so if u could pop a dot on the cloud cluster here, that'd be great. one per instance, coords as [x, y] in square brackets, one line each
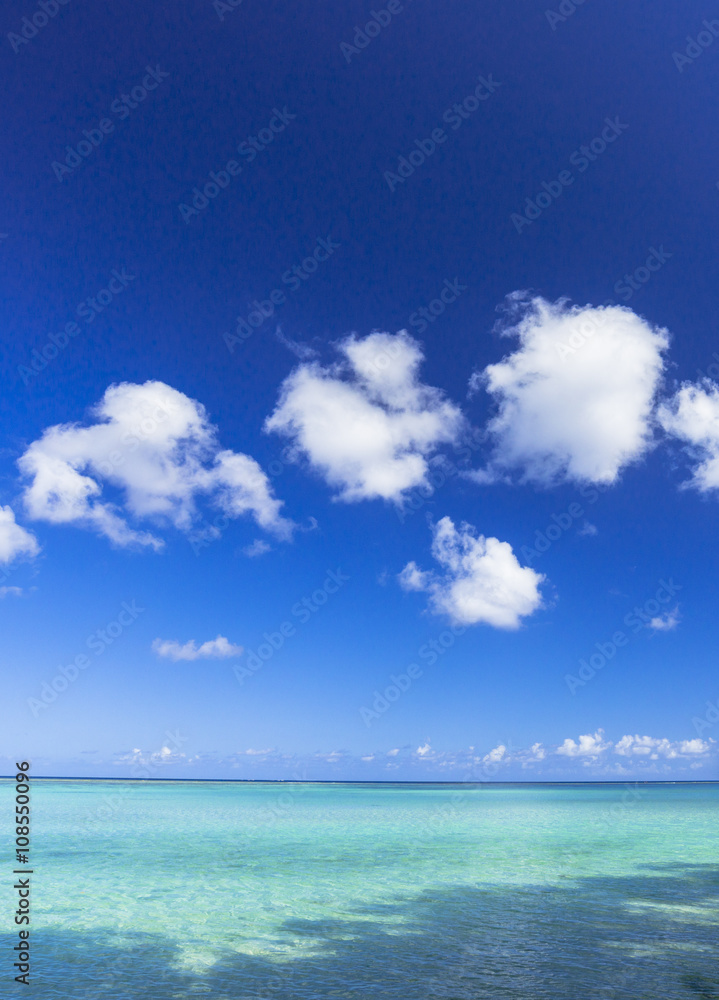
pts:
[155, 447]
[482, 580]
[593, 753]
[575, 399]
[653, 749]
[367, 425]
[14, 540]
[588, 750]
[589, 745]
[575, 402]
[214, 649]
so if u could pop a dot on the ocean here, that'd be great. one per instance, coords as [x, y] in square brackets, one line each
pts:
[239, 890]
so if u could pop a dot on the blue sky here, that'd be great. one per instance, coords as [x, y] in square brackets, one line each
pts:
[479, 548]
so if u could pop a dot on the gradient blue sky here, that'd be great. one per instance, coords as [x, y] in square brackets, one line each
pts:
[189, 277]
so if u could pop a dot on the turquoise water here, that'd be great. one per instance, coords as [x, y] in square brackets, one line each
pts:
[233, 891]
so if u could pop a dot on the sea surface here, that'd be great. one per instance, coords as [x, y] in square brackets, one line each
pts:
[174, 890]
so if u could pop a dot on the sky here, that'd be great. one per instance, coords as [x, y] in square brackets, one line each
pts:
[361, 390]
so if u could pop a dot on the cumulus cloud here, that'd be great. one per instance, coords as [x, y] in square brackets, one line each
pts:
[423, 750]
[692, 416]
[214, 649]
[157, 449]
[10, 592]
[666, 622]
[575, 399]
[496, 755]
[482, 581]
[653, 748]
[638, 746]
[694, 747]
[368, 425]
[589, 746]
[14, 540]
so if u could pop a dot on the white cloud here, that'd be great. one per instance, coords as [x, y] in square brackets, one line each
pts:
[694, 747]
[393, 753]
[146, 759]
[10, 592]
[588, 529]
[653, 748]
[575, 400]
[258, 548]
[496, 755]
[692, 415]
[483, 581]
[156, 447]
[423, 750]
[14, 539]
[368, 424]
[666, 622]
[214, 649]
[638, 746]
[300, 350]
[591, 746]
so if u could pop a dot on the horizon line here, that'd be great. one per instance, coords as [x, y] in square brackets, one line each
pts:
[350, 781]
